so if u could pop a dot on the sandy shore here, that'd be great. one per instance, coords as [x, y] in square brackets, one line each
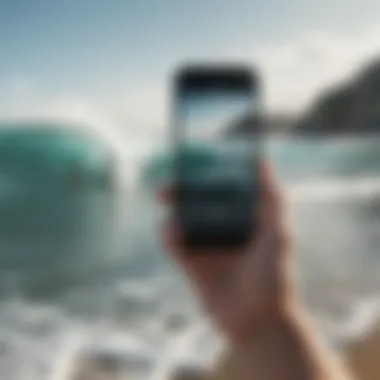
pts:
[362, 355]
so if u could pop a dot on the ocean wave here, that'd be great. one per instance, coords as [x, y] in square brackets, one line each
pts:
[335, 189]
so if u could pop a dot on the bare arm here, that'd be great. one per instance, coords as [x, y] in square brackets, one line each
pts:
[286, 349]
[251, 298]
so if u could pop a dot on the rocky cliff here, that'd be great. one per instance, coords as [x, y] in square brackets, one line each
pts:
[352, 108]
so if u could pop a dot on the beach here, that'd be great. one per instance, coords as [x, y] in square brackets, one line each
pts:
[106, 296]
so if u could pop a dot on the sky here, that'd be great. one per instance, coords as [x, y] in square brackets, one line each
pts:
[205, 117]
[112, 60]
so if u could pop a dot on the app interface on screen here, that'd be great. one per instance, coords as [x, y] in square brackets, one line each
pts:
[217, 156]
[213, 142]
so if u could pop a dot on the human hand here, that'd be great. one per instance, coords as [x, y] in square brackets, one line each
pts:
[243, 291]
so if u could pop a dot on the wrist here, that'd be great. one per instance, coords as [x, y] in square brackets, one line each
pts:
[266, 347]
[272, 323]
[287, 348]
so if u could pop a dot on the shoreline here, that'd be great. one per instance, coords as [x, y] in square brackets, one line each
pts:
[360, 353]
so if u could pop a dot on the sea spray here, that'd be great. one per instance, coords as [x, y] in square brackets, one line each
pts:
[131, 298]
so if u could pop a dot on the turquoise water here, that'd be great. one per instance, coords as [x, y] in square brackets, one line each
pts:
[50, 155]
[91, 271]
[294, 159]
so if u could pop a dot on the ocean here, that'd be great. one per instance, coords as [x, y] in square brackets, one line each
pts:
[100, 284]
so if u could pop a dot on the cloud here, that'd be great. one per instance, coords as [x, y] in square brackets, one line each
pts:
[293, 74]
[24, 103]
[142, 107]
[296, 72]
[135, 110]
[21, 98]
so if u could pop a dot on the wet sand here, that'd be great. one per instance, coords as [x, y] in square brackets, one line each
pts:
[362, 355]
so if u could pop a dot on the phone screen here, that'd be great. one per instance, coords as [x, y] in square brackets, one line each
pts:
[217, 151]
[208, 115]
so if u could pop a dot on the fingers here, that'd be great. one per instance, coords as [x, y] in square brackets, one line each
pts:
[271, 198]
[171, 236]
[198, 264]
[272, 208]
[166, 194]
[273, 218]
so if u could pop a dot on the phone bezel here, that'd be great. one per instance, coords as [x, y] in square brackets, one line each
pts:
[196, 71]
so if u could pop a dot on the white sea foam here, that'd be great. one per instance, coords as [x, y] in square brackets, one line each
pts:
[54, 354]
[43, 342]
[336, 189]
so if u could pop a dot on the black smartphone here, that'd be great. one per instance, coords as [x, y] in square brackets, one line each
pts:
[217, 149]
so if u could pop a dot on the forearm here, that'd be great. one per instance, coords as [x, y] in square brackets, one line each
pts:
[287, 349]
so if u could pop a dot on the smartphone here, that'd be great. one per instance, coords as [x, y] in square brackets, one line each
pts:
[217, 149]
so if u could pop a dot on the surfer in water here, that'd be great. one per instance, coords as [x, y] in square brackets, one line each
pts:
[251, 298]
